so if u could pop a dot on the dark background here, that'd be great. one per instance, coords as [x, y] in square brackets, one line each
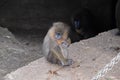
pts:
[39, 14]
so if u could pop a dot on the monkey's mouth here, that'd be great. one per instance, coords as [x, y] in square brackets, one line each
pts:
[65, 44]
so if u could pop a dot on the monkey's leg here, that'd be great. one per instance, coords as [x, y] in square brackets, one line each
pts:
[60, 57]
[55, 56]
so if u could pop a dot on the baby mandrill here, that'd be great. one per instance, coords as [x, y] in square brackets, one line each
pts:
[55, 44]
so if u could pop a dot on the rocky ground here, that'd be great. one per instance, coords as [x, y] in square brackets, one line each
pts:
[89, 57]
[17, 51]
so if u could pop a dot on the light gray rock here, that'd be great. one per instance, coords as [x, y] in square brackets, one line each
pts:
[12, 53]
[89, 57]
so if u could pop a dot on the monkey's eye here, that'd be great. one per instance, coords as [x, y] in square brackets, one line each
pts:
[77, 24]
[58, 35]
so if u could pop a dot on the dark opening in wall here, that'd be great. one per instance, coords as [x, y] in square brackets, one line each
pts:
[94, 17]
[87, 18]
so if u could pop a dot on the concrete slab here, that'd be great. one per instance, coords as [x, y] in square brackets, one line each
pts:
[89, 57]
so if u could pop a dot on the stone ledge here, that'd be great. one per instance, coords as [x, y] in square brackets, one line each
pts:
[89, 55]
[13, 54]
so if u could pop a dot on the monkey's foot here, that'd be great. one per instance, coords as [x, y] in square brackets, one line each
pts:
[68, 62]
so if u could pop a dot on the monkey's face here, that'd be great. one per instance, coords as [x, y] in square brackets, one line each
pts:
[76, 24]
[60, 33]
[61, 37]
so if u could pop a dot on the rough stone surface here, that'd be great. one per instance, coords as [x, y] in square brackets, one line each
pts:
[89, 57]
[13, 54]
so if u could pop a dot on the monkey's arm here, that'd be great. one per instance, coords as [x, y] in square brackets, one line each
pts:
[59, 56]
[46, 45]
